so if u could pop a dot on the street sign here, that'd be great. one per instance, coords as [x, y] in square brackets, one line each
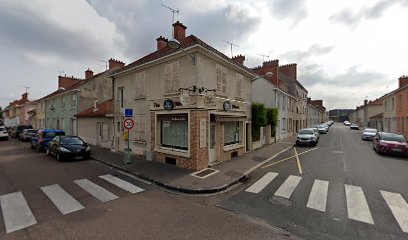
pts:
[128, 123]
[128, 112]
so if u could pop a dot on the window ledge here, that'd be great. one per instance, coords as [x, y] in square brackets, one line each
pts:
[173, 151]
[172, 94]
[140, 141]
[139, 97]
[221, 94]
[232, 147]
[239, 98]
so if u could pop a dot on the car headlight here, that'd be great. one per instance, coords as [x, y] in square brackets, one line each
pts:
[62, 149]
[88, 148]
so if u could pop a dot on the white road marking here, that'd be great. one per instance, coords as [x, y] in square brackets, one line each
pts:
[261, 183]
[122, 184]
[399, 208]
[318, 195]
[95, 190]
[61, 199]
[17, 214]
[357, 206]
[287, 188]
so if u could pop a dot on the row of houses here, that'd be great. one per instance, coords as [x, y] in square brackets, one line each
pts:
[388, 113]
[191, 103]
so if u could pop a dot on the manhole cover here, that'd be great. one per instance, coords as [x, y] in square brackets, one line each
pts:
[280, 200]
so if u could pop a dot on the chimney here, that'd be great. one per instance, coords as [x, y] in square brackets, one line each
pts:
[161, 42]
[88, 74]
[65, 82]
[403, 81]
[179, 31]
[365, 102]
[240, 59]
[115, 63]
[24, 97]
[290, 70]
[269, 66]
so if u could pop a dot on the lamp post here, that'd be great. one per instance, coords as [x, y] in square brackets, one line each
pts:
[175, 44]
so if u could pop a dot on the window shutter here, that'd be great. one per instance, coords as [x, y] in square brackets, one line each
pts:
[175, 78]
[239, 79]
[219, 77]
[143, 84]
[224, 80]
[137, 127]
[167, 76]
[137, 85]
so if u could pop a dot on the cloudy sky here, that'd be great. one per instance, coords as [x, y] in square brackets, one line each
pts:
[346, 50]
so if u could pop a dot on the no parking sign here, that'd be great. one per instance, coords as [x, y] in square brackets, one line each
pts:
[128, 123]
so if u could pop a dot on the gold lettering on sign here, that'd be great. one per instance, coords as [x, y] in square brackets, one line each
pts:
[203, 132]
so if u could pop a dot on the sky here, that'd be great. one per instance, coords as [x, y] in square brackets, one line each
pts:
[346, 51]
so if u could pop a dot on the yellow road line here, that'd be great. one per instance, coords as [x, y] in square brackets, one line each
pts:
[298, 161]
[288, 158]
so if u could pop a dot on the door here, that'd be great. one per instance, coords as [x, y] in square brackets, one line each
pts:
[98, 134]
[213, 143]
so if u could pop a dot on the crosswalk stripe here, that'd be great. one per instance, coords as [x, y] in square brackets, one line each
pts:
[399, 208]
[287, 188]
[357, 206]
[61, 199]
[121, 183]
[262, 183]
[95, 190]
[318, 195]
[16, 212]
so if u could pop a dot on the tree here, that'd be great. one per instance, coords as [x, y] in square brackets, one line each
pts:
[258, 120]
[272, 115]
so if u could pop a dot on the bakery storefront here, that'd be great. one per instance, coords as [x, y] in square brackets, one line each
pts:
[197, 135]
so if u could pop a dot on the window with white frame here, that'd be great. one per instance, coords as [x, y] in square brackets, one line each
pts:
[171, 77]
[173, 131]
[221, 78]
[140, 82]
[231, 133]
[73, 100]
[240, 79]
[62, 102]
[140, 128]
[104, 131]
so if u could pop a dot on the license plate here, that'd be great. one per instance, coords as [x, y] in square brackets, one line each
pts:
[397, 150]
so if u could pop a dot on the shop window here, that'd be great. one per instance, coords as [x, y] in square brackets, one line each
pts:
[174, 132]
[231, 133]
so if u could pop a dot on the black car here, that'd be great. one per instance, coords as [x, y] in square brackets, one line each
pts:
[15, 131]
[68, 147]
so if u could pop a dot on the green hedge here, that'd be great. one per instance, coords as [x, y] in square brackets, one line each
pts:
[258, 120]
[272, 115]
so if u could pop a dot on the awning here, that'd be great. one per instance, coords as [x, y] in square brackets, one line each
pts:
[223, 118]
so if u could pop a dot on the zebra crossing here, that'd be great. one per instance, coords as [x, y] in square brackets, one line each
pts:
[357, 206]
[17, 213]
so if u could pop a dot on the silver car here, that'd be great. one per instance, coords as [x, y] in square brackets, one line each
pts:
[306, 136]
[368, 134]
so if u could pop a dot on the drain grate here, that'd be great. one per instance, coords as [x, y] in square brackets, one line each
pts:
[205, 173]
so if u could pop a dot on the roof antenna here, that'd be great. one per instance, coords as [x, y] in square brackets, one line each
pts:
[106, 63]
[232, 44]
[60, 72]
[172, 20]
[26, 88]
[263, 56]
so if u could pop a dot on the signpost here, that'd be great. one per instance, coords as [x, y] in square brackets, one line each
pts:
[128, 124]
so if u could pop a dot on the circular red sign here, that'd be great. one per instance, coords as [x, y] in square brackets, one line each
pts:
[128, 123]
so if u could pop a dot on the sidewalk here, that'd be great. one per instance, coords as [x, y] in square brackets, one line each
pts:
[177, 179]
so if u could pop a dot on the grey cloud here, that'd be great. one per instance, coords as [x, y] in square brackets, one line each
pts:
[352, 19]
[304, 55]
[295, 10]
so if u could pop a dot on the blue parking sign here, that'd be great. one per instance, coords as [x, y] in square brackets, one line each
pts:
[128, 112]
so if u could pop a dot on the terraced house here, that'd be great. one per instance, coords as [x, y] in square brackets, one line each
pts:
[191, 105]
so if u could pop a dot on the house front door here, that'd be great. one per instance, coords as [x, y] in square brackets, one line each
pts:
[213, 143]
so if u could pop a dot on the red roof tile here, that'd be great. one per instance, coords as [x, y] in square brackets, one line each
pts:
[102, 109]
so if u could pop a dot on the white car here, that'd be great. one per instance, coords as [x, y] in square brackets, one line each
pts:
[347, 123]
[3, 133]
[322, 128]
[368, 134]
[306, 136]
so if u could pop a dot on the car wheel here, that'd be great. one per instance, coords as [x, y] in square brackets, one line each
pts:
[58, 157]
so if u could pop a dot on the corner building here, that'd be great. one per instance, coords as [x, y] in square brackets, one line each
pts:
[191, 107]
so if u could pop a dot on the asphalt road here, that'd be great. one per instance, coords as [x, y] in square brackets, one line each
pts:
[345, 204]
[94, 214]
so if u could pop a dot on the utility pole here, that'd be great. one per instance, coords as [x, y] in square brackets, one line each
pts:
[231, 44]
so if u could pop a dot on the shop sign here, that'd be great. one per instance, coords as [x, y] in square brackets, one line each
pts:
[168, 104]
[227, 106]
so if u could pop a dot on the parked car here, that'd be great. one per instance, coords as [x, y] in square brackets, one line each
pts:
[40, 140]
[3, 133]
[390, 143]
[368, 134]
[354, 126]
[15, 131]
[306, 136]
[65, 147]
[347, 123]
[27, 134]
[316, 131]
[322, 128]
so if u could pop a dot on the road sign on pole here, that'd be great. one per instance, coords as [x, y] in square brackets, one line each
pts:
[128, 112]
[128, 123]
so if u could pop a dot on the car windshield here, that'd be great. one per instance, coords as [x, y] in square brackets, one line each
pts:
[71, 141]
[393, 137]
[2, 129]
[321, 126]
[370, 130]
[306, 131]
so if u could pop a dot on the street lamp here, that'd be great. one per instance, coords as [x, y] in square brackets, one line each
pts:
[267, 75]
[175, 44]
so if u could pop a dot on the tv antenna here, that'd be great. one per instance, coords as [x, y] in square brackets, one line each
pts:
[231, 44]
[174, 11]
[26, 88]
[106, 63]
[61, 72]
[263, 56]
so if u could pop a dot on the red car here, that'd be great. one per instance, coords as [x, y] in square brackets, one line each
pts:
[390, 143]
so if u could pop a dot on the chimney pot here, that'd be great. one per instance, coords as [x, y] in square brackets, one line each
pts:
[115, 63]
[179, 31]
[403, 81]
[88, 74]
[161, 42]
[240, 59]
